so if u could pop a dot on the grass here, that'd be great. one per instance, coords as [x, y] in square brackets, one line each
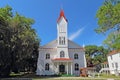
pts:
[17, 74]
[63, 77]
[71, 77]
[108, 76]
[67, 75]
[75, 78]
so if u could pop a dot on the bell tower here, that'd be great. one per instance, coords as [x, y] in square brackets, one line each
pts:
[62, 35]
[62, 30]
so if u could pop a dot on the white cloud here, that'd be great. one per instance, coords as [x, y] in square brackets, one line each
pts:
[76, 34]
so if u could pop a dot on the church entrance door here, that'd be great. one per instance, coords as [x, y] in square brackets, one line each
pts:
[62, 68]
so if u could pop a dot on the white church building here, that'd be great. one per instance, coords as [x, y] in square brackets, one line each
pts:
[114, 62]
[61, 56]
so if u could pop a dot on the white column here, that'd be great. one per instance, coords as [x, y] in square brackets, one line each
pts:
[71, 69]
[85, 63]
[67, 68]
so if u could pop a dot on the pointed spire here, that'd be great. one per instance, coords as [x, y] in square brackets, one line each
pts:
[61, 15]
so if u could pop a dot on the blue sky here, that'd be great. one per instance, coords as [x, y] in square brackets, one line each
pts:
[79, 13]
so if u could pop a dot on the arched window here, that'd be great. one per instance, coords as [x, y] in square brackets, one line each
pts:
[62, 54]
[59, 40]
[76, 66]
[47, 56]
[46, 66]
[75, 56]
[64, 40]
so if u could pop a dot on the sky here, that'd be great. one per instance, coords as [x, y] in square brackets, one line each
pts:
[79, 13]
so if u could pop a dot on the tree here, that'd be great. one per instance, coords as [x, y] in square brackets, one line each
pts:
[95, 55]
[18, 41]
[113, 41]
[90, 49]
[109, 22]
[5, 57]
[108, 16]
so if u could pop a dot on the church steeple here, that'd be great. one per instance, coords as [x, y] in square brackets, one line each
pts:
[61, 15]
[62, 37]
[62, 30]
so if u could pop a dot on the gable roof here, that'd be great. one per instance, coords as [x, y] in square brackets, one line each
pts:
[53, 44]
[113, 52]
[72, 44]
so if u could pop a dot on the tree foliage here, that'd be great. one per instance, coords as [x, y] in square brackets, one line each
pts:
[95, 55]
[113, 40]
[18, 41]
[108, 16]
[109, 22]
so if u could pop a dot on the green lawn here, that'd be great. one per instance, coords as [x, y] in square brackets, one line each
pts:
[74, 78]
[69, 77]
[64, 77]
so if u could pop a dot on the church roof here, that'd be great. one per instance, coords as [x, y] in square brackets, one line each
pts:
[114, 52]
[53, 44]
[72, 44]
[61, 15]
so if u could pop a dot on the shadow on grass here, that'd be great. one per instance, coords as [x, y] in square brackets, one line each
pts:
[26, 75]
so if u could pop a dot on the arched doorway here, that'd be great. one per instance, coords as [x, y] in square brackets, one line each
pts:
[61, 68]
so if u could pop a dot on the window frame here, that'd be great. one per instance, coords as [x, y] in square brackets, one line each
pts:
[48, 56]
[76, 66]
[116, 65]
[112, 65]
[111, 57]
[47, 66]
[60, 40]
[62, 54]
[76, 56]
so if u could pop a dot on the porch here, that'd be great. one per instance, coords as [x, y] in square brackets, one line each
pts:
[63, 65]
